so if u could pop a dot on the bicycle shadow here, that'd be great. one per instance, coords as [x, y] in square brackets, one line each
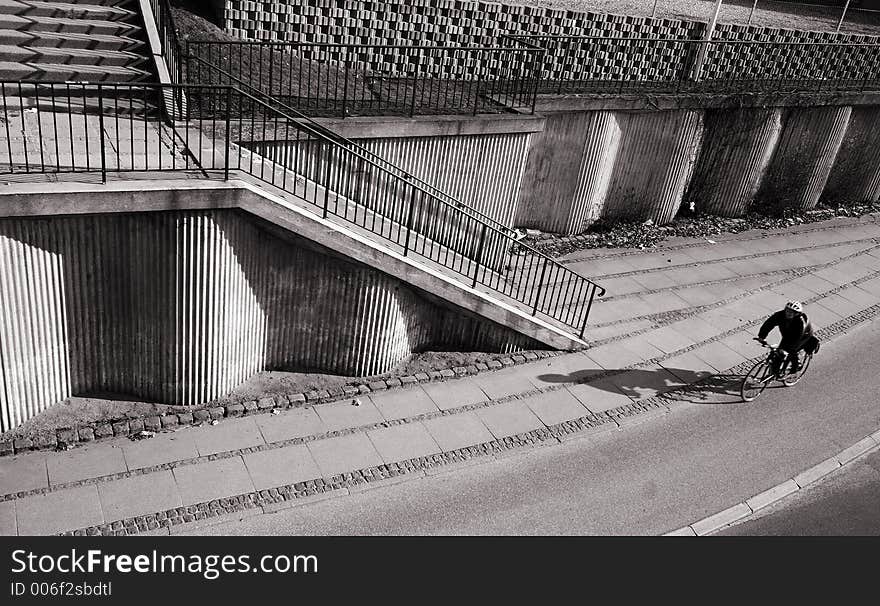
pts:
[670, 384]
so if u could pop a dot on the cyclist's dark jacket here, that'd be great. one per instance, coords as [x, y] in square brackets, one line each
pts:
[794, 331]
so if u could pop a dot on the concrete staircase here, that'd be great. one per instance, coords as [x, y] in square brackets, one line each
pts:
[78, 40]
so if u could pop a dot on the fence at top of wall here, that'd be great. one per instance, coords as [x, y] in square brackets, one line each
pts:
[383, 42]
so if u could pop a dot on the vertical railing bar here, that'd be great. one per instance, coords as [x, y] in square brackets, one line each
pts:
[101, 131]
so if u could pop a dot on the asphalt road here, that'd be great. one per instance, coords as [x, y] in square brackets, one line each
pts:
[660, 475]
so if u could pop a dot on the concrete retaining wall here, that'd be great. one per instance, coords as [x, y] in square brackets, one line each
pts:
[855, 176]
[807, 149]
[737, 147]
[179, 307]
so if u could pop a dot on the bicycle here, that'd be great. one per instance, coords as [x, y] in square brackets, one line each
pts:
[761, 374]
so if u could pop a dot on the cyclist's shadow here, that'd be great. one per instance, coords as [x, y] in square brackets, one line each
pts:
[673, 384]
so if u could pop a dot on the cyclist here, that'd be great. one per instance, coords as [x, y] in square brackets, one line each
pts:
[796, 330]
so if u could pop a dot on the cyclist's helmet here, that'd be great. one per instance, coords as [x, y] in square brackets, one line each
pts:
[795, 306]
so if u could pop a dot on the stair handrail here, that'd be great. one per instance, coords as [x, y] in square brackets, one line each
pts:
[359, 149]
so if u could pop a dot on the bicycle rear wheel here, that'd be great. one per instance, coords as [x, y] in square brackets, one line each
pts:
[791, 379]
[756, 381]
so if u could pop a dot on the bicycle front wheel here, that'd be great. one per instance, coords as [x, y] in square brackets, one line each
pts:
[791, 379]
[756, 381]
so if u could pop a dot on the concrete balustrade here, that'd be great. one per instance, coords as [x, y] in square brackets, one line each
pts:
[737, 147]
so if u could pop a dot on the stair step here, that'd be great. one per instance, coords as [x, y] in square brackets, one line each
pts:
[29, 8]
[69, 40]
[69, 56]
[56, 72]
[66, 25]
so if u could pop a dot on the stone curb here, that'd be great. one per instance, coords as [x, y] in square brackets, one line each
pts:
[746, 508]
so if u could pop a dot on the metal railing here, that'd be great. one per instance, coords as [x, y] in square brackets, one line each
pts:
[609, 65]
[224, 78]
[106, 128]
[350, 80]
[168, 38]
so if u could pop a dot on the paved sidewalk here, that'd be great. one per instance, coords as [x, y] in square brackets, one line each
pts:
[674, 315]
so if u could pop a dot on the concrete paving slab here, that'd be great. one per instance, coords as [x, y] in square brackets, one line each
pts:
[595, 334]
[743, 344]
[599, 396]
[840, 305]
[720, 320]
[603, 266]
[697, 329]
[641, 348]
[8, 523]
[689, 367]
[344, 454]
[568, 368]
[655, 280]
[660, 302]
[861, 298]
[607, 311]
[228, 435]
[719, 355]
[290, 424]
[820, 315]
[724, 290]
[458, 431]
[161, 448]
[872, 286]
[669, 338]
[403, 403]
[613, 356]
[622, 285]
[455, 393]
[843, 273]
[212, 480]
[281, 466]
[23, 472]
[768, 300]
[402, 442]
[54, 512]
[503, 383]
[813, 284]
[790, 290]
[138, 495]
[696, 295]
[556, 407]
[646, 382]
[92, 461]
[740, 267]
[509, 418]
[343, 415]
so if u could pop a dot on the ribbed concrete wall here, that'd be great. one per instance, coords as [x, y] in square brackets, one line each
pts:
[181, 307]
[737, 147]
[808, 146]
[655, 161]
[483, 171]
[855, 176]
[568, 172]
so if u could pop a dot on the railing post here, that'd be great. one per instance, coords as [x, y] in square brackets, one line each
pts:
[271, 67]
[479, 257]
[327, 179]
[412, 105]
[587, 313]
[409, 219]
[227, 144]
[345, 83]
[540, 286]
[101, 129]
